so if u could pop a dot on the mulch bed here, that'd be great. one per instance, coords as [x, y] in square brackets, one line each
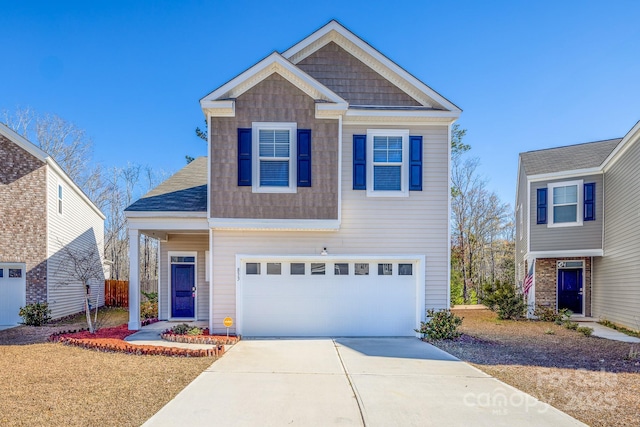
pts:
[112, 340]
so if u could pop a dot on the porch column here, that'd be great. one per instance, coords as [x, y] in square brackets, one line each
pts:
[210, 262]
[134, 280]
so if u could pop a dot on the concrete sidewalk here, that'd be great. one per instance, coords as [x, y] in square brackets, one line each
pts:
[602, 331]
[350, 381]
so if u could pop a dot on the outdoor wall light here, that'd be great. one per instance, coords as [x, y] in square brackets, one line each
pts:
[324, 251]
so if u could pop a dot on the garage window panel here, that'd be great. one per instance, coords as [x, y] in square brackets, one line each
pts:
[318, 268]
[1, 272]
[385, 269]
[341, 269]
[405, 269]
[361, 269]
[253, 268]
[15, 273]
[274, 268]
[297, 268]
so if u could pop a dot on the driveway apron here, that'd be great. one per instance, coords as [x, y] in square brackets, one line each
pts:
[350, 381]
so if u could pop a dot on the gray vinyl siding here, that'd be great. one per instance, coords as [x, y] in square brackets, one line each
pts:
[521, 229]
[414, 225]
[184, 243]
[587, 236]
[79, 229]
[616, 285]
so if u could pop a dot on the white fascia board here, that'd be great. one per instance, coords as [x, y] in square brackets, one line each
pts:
[170, 224]
[565, 174]
[35, 151]
[283, 67]
[402, 113]
[631, 136]
[565, 253]
[368, 49]
[224, 108]
[274, 224]
[325, 110]
[164, 214]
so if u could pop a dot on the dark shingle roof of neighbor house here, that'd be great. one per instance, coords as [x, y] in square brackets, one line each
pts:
[184, 191]
[570, 157]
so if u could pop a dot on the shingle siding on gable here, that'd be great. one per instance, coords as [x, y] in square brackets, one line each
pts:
[23, 215]
[616, 289]
[274, 100]
[351, 79]
[587, 236]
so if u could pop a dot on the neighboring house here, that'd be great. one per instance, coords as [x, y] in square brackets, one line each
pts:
[322, 207]
[42, 211]
[578, 229]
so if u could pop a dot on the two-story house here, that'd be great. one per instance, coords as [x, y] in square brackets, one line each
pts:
[577, 228]
[44, 218]
[322, 207]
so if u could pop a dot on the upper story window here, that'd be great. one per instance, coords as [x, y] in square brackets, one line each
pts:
[387, 172]
[274, 154]
[59, 199]
[565, 203]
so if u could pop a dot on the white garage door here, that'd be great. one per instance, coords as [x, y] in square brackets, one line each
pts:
[330, 297]
[12, 293]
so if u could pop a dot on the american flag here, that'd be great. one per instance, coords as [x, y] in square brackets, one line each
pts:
[528, 280]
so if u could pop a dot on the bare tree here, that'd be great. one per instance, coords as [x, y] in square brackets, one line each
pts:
[83, 265]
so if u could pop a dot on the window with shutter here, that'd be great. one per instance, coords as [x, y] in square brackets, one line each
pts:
[565, 203]
[387, 172]
[274, 154]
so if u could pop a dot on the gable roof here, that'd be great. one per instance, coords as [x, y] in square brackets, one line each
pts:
[220, 102]
[184, 191]
[567, 158]
[39, 154]
[336, 32]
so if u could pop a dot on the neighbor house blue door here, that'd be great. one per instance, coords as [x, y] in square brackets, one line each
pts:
[183, 290]
[570, 289]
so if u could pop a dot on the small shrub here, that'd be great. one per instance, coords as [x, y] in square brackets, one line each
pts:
[550, 332]
[442, 325]
[194, 331]
[184, 329]
[36, 314]
[150, 296]
[571, 325]
[503, 299]
[149, 310]
[585, 330]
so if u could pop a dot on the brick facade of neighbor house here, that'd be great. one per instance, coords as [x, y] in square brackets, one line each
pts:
[547, 281]
[23, 216]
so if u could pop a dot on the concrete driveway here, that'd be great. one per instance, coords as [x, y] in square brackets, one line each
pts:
[350, 381]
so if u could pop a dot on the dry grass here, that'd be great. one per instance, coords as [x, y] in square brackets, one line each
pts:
[57, 385]
[590, 378]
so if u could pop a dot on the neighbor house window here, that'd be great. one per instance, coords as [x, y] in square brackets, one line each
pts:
[565, 199]
[60, 199]
[387, 172]
[275, 155]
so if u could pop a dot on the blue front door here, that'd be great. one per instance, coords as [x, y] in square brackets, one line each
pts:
[570, 289]
[183, 290]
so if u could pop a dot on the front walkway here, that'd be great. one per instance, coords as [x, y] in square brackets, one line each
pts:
[150, 335]
[602, 331]
[350, 381]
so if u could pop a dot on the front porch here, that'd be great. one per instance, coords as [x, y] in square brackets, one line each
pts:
[564, 283]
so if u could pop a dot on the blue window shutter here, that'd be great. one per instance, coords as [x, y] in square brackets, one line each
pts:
[542, 205]
[415, 163]
[244, 156]
[304, 157]
[359, 162]
[590, 201]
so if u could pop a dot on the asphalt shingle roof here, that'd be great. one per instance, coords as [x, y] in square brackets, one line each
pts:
[570, 157]
[184, 191]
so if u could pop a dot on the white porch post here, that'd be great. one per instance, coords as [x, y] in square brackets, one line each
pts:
[134, 280]
[210, 262]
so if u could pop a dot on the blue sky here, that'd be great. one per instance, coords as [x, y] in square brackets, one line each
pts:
[527, 74]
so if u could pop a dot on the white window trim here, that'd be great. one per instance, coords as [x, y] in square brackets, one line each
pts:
[60, 199]
[579, 207]
[404, 171]
[293, 155]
